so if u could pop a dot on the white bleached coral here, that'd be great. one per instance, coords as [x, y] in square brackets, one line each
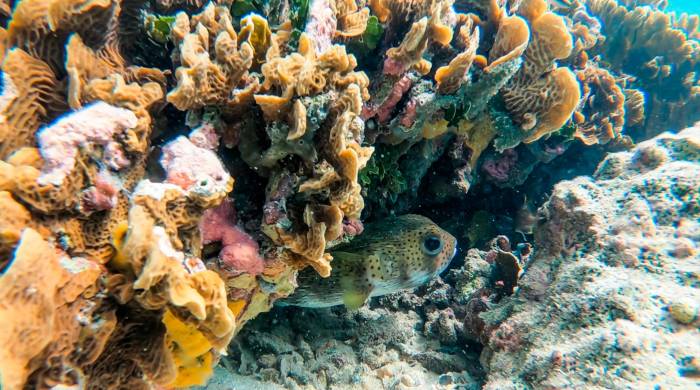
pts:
[96, 124]
[194, 168]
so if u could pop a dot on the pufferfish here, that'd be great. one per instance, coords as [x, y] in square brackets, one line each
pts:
[397, 253]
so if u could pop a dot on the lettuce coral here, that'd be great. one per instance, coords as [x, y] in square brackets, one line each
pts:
[212, 64]
[42, 292]
[663, 58]
[542, 97]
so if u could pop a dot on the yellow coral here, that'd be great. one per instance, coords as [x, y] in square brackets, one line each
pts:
[435, 129]
[476, 136]
[255, 31]
[191, 352]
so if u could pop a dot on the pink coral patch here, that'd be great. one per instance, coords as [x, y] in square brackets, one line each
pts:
[239, 251]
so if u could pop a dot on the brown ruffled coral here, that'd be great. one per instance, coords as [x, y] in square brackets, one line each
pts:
[41, 27]
[48, 31]
[511, 40]
[662, 57]
[352, 20]
[30, 98]
[137, 348]
[42, 293]
[542, 97]
[15, 219]
[74, 180]
[303, 74]
[688, 23]
[165, 279]
[634, 106]
[450, 77]
[84, 64]
[637, 26]
[409, 54]
[138, 98]
[602, 106]
[212, 63]
[305, 80]
[429, 27]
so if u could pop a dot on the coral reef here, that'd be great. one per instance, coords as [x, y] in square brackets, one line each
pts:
[404, 340]
[41, 293]
[594, 294]
[124, 125]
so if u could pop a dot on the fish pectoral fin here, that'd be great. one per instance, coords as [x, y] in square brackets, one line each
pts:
[355, 292]
[354, 300]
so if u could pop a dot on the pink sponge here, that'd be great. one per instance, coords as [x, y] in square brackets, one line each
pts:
[239, 252]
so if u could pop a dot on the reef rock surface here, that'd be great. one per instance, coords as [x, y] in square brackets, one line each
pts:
[403, 341]
[610, 299]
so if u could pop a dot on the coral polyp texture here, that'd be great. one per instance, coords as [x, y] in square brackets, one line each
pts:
[168, 167]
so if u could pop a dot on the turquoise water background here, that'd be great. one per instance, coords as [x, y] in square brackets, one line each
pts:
[689, 6]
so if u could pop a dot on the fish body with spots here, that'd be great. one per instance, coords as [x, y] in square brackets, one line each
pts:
[395, 254]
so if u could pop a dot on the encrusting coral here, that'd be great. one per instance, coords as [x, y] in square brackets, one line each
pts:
[124, 123]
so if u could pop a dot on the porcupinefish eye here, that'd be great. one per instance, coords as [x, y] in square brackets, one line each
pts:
[431, 245]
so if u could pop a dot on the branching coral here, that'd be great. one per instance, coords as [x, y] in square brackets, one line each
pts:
[662, 57]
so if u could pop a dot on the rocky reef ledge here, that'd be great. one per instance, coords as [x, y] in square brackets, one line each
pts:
[610, 300]
[607, 299]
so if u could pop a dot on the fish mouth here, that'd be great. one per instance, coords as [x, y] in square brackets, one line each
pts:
[448, 260]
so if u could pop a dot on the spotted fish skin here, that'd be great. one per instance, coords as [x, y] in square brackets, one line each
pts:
[391, 255]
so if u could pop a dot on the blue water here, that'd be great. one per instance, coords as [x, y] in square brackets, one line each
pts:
[689, 6]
